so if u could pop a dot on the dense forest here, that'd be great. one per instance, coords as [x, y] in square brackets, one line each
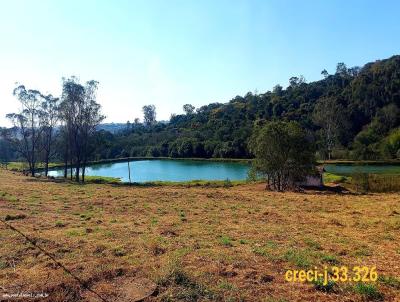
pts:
[353, 113]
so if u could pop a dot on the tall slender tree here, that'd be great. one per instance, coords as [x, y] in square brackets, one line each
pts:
[26, 132]
[149, 115]
[49, 117]
[329, 115]
[81, 114]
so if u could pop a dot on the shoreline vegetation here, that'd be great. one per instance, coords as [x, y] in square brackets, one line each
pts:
[358, 182]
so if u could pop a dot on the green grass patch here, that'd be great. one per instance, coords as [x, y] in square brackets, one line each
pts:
[334, 178]
[362, 251]
[311, 243]
[8, 197]
[225, 240]
[60, 224]
[176, 284]
[102, 179]
[390, 281]
[368, 291]
[75, 233]
[191, 183]
[298, 257]
[331, 259]
[268, 250]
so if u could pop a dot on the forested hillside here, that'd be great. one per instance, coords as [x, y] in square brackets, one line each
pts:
[353, 113]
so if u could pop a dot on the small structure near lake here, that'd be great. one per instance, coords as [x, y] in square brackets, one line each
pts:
[313, 180]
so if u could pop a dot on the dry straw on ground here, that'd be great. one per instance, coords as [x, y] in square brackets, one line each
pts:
[193, 244]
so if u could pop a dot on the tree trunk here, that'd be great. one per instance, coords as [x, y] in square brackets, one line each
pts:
[46, 162]
[66, 167]
[70, 169]
[83, 173]
[46, 168]
[84, 169]
[77, 171]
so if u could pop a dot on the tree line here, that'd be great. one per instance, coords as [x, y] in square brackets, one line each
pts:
[48, 128]
[352, 113]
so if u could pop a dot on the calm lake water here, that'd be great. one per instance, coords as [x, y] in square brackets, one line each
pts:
[186, 170]
[167, 170]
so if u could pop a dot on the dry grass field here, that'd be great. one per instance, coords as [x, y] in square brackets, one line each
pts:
[192, 244]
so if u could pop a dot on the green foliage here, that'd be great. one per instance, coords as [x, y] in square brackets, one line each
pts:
[283, 153]
[390, 146]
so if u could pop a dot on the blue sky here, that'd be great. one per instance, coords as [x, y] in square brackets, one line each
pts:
[170, 53]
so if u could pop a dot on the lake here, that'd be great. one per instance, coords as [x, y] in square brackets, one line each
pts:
[167, 170]
[186, 170]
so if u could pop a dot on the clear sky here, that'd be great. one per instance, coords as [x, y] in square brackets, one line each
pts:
[171, 52]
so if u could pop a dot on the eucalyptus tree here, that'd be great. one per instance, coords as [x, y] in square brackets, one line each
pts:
[81, 114]
[91, 118]
[49, 116]
[25, 135]
[189, 109]
[329, 115]
[149, 115]
[70, 108]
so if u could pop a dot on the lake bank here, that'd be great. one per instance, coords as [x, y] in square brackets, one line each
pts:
[18, 165]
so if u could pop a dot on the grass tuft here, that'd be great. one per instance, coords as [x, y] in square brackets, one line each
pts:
[390, 281]
[298, 257]
[368, 291]
[225, 240]
[326, 288]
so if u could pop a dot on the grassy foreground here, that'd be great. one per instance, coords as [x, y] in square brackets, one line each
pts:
[195, 244]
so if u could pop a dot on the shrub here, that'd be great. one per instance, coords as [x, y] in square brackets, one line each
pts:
[283, 154]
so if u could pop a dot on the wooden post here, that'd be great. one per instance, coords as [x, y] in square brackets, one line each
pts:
[129, 172]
